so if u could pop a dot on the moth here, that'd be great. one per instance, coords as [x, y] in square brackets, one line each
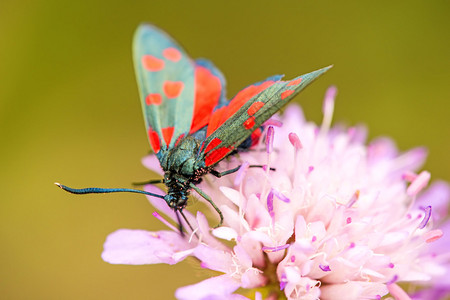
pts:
[191, 125]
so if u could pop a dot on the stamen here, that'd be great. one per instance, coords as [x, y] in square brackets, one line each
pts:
[241, 173]
[328, 108]
[325, 268]
[194, 233]
[426, 218]
[283, 281]
[330, 94]
[164, 221]
[393, 279]
[269, 139]
[432, 235]
[295, 141]
[353, 199]
[270, 202]
[274, 249]
[418, 184]
[281, 196]
[397, 292]
[409, 176]
[349, 220]
[272, 122]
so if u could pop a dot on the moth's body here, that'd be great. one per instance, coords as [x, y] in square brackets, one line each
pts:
[181, 166]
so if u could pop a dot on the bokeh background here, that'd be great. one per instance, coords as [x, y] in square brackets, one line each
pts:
[69, 112]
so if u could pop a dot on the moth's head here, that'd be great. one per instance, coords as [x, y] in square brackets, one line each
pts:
[176, 201]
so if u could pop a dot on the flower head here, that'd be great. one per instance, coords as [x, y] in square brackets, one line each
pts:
[335, 219]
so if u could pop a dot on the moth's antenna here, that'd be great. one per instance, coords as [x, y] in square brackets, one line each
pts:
[94, 190]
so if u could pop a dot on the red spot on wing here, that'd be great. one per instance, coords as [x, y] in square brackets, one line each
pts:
[243, 96]
[172, 54]
[179, 139]
[249, 123]
[220, 116]
[154, 99]
[255, 136]
[167, 134]
[202, 145]
[286, 94]
[173, 89]
[151, 63]
[254, 108]
[207, 93]
[215, 142]
[294, 82]
[154, 140]
[216, 155]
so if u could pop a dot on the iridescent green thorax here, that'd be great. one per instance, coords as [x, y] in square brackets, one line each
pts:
[181, 168]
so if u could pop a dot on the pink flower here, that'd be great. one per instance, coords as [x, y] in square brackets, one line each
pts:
[336, 219]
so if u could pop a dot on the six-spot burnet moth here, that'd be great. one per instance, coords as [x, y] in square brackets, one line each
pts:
[190, 123]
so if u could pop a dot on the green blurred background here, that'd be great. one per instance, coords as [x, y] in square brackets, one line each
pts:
[69, 112]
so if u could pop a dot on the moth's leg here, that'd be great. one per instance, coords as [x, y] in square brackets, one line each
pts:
[220, 174]
[153, 181]
[231, 171]
[187, 222]
[207, 198]
[261, 166]
[180, 225]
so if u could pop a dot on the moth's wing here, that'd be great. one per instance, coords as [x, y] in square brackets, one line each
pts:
[230, 125]
[177, 94]
[166, 81]
[209, 93]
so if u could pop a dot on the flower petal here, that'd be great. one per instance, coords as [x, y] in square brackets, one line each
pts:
[253, 278]
[342, 220]
[219, 287]
[139, 247]
[151, 162]
[354, 290]
[231, 194]
[206, 236]
[214, 259]
[225, 233]
[159, 203]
